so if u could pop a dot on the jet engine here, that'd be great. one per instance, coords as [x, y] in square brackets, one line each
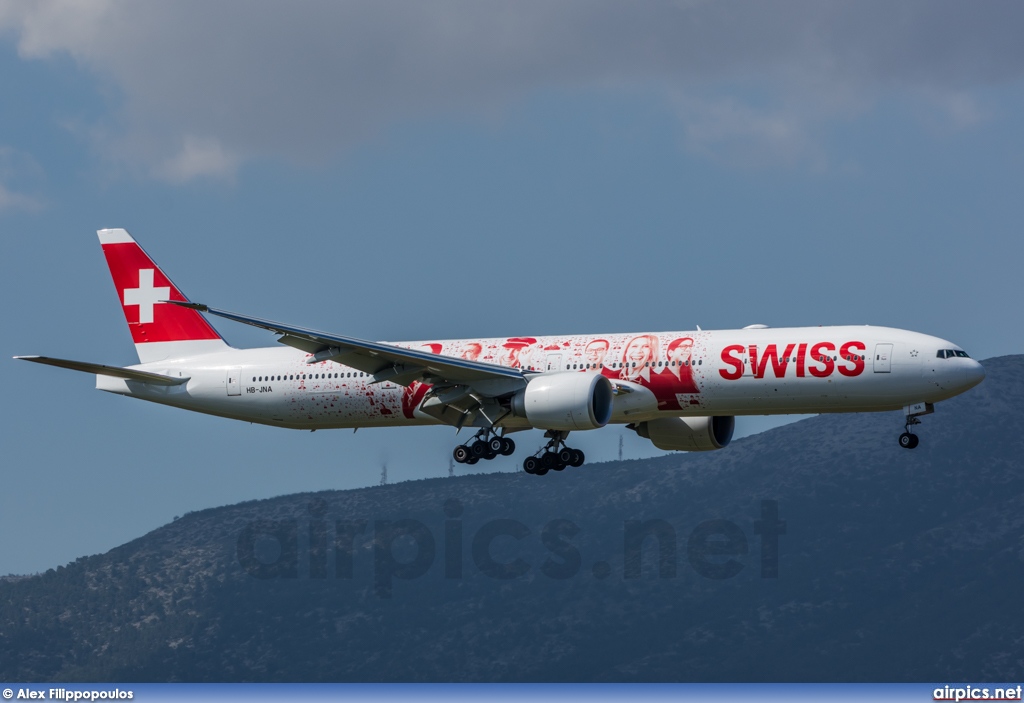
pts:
[565, 401]
[688, 434]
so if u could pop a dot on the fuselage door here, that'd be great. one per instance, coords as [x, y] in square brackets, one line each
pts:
[883, 358]
[234, 381]
[554, 362]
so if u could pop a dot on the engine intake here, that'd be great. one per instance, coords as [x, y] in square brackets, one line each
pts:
[688, 434]
[565, 401]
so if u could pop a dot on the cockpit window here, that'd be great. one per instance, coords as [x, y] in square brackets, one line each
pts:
[962, 354]
[941, 354]
[950, 353]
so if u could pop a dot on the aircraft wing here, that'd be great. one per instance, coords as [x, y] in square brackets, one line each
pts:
[453, 379]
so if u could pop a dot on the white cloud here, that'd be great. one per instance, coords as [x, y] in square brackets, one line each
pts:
[10, 200]
[731, 132]
[198, 158]
[17, 166]
[303, 80]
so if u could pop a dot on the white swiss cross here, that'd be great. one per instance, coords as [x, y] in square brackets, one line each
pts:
[146, 296]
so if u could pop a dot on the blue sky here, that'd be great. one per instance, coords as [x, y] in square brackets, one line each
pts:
[408, 171]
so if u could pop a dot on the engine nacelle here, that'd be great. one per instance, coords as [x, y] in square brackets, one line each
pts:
[688, 434]
[565, 401]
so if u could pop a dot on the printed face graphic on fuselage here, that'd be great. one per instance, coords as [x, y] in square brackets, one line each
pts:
[680, 351]
[639, 352]
[595, 353]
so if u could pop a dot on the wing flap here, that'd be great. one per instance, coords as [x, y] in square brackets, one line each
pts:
[104, 370]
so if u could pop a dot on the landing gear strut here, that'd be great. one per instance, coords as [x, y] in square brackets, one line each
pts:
[485, 445]
[909, 440]
[554, 457]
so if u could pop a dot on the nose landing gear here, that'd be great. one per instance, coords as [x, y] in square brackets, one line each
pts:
[909, 440]
[556, 456]
[486, 445]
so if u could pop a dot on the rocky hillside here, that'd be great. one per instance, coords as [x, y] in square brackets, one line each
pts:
[892, 565]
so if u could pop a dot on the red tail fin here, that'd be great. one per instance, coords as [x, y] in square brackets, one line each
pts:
[159, 330]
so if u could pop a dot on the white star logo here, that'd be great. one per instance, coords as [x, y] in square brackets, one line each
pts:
[146, 295]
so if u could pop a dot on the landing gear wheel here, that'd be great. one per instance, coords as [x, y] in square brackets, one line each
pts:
[461, 454]
[531, 465]
[472, 460]
[478, 448]
[908, 440]
[507, 446]
[548, 460]
[490, 453]
[553, 461]
[565, 457]
[577, 458]
[496, 444]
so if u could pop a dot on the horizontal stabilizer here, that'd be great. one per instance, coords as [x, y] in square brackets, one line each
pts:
[104, 370]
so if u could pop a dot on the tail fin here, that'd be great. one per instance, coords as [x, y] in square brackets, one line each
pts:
[160, 331]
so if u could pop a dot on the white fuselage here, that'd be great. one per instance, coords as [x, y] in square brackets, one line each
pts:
[728, 372]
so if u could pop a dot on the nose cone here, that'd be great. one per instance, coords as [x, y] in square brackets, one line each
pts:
[973, 374]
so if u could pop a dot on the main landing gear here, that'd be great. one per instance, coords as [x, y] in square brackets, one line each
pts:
[484, 446]
[909, 440]
[555, 456]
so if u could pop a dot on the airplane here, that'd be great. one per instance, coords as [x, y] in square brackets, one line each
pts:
[680, 390]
